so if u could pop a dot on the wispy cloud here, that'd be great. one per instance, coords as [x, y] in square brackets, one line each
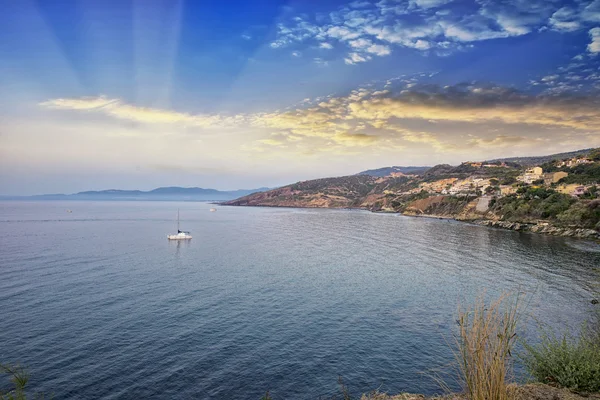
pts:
[121, 110]
[354, 58]
[84, 103]
[594, 46]
[432, 25]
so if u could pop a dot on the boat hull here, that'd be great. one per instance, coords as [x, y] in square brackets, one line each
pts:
[179, 237]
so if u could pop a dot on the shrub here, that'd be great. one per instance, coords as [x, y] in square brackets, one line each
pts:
[486, 338]
[566, 361]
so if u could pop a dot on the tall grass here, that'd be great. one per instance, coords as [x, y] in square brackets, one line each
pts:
[487, 335]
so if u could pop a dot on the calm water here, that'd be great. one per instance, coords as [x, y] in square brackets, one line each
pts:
[98, 304]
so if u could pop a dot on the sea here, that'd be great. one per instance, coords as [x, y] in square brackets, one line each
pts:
[96, 303]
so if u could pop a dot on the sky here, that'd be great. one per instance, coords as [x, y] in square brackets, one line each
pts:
[244, 94]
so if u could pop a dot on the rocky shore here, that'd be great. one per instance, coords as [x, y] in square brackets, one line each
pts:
[544, 228]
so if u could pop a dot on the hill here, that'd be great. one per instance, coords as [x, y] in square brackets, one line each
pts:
[380, 172]
[560, 198]
[174, 193]
[537, 160]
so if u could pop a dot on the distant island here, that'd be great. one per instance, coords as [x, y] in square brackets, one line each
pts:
[173, 193]
[557, 194]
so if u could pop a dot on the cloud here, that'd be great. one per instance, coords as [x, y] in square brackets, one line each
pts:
[355, 58]
[118, 109]
[594, 46]
[592, 12]
[359, 4]
[477, 104]
[360, 43]
[325, 45]
[500, 141]
[406, 114]
[84, 103]
[296, 54]
[342, 33]
[428, 26]
[565, 19]
[378, 50]
[428, 3]
[272, 142]
[355, 139]
[549, 78]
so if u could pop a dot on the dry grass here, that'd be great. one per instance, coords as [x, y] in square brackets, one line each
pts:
[487, 334]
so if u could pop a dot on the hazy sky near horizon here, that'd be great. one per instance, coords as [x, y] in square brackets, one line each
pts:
[242, 94]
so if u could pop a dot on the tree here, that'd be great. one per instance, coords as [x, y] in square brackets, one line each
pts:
[594, 155]
[491, 189]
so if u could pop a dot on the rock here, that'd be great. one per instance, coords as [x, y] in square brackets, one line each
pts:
[595, 301]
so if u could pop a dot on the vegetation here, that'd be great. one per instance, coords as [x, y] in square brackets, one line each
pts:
[19, 378]
[485, 342]
[581, 214]
[582, 174]
[532, 203]
[570, 362]
[267, 396]
[530, 161]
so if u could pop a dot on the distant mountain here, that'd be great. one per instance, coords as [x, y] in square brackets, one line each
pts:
[159, 194]
[537, 160]
[442, 169]
[387, 171]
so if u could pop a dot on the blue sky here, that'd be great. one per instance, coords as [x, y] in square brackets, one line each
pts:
[139, 94]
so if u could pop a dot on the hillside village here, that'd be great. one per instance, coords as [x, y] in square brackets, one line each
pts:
[559, 192]
[535, 176]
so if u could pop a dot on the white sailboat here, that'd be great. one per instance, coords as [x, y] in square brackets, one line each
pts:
[181, 235]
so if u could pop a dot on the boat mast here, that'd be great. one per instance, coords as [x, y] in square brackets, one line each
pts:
[178, 220]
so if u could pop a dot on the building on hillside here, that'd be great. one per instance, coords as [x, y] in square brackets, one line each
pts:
[438, 186]
[554, 177]
[579, 191]
[574, 162]
[531, 175]
[502, 164]
[571, 189]
[505, 190]
[464, 186]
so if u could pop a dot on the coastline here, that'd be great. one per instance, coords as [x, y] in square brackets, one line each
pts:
[544, 228]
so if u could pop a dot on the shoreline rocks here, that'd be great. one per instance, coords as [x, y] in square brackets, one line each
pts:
[544, 228]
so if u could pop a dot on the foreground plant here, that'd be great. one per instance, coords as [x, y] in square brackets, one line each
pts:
[19, 379]
[566, 361]
[486, 338]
